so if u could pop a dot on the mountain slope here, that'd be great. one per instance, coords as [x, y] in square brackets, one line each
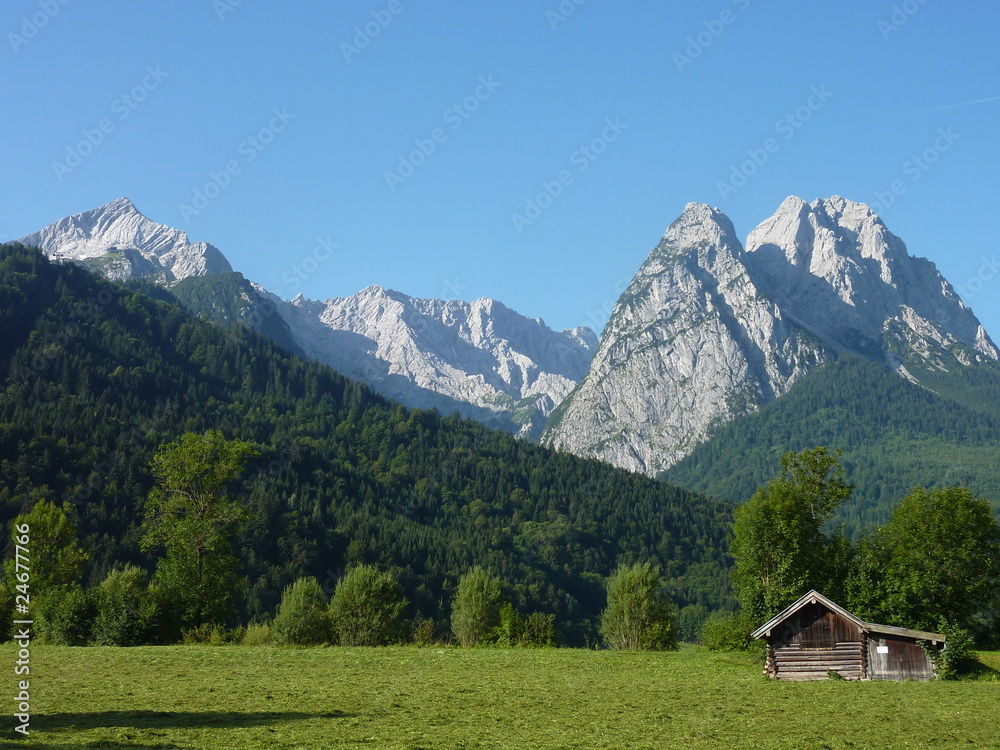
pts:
[690, 344]
[708, 332]
[95, 377]
[894, 435]
[229, 299]
[479, 358]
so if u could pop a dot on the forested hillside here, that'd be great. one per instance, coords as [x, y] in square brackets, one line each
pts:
[96, 377]
[227, 298]
[894, 436]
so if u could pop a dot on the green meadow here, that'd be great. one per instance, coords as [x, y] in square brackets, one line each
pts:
[408, 697]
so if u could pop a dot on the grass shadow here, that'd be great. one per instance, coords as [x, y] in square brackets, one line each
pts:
[979, 671]
[94, 745]
[170, 719]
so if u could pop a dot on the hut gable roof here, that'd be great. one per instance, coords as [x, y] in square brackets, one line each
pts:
[814, 597]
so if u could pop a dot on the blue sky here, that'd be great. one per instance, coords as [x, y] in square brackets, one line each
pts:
[427, 140]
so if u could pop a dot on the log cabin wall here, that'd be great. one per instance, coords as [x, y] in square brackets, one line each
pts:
[814, 641]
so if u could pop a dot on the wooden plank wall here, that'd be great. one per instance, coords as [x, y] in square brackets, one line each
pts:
[901, 659]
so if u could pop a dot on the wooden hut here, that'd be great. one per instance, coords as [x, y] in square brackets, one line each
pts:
[815, 635]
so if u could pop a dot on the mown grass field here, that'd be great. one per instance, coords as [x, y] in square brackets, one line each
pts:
[242, 697]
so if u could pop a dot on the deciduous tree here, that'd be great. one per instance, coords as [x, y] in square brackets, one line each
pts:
[779, 547]
[639, 616]
[475, 613]
[193, 515]
[367, 608]
[303, 618]
[936, 561]
[54, 555]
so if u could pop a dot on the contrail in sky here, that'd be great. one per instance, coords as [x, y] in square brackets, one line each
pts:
[938, 109]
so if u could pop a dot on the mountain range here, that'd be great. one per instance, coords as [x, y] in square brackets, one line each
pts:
[712, 339]
[480, 359]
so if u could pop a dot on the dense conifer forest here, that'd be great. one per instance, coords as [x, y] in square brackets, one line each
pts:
[894, 435]
[96, 377]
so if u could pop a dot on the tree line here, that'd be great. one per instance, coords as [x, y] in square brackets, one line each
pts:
[193, 519]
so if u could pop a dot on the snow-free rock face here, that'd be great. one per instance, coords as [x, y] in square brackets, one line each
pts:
[120, 243]
[836, 270]
[708, 331]
[479, 358]
[692, 343]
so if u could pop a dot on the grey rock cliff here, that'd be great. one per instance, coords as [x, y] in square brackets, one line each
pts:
[479, 358]
[708, 331]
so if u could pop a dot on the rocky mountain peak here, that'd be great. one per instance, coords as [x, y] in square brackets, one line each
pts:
[697, 225]
[708, 331]
[836, 270]
[480, 358]
[120, 243]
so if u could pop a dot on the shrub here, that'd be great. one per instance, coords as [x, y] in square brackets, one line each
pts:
[128, 610]
[534, 631]
[539, 630]
[213, 635]
[257, 634]
[423, 631]
[475, 613]
[727, 631]
[639, 617]
[958, 655]
[508, 633]
[199, 635]
[64, 616]
[367, 608]
[228, 636]
[302, 618]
